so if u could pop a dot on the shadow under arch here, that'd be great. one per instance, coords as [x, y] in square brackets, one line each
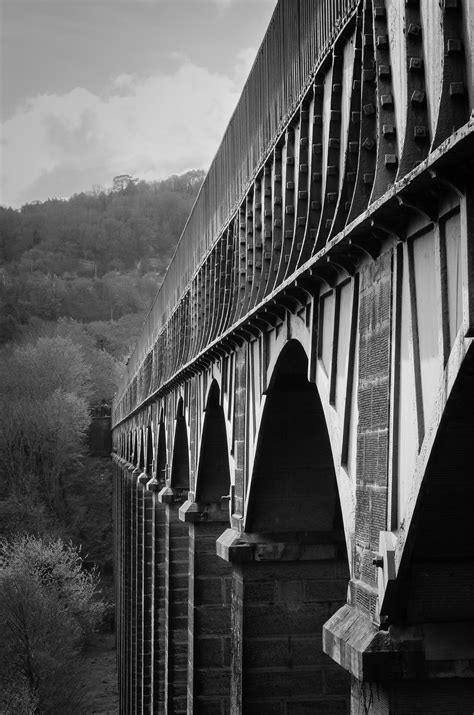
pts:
[296, 570]
[135, 457]
[179, 478]
[293, 486]
[209, 610]
[213, 474]
[161, 456]
[149, 451]
[436, 572]
[141, 450]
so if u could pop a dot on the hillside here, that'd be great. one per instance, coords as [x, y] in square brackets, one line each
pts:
[76, 277]
[96, 258]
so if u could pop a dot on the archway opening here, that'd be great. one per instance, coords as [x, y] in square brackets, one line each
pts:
[298, 575]
[437, 570]
[180, 462]
[210, 576]
[149, 451]
[213, 478]
[134, 459]
[293, 484]
[141, 456]
[161, 459]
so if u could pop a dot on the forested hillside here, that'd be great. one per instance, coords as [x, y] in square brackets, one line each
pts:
[94, 258]
[76, 278]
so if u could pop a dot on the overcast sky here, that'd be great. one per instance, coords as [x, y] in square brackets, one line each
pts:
[95, 88]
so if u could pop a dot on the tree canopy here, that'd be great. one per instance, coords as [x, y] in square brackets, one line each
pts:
[48, 607]
[95, 257]
[76, 278]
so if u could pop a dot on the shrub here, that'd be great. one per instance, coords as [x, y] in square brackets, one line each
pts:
[48, 607]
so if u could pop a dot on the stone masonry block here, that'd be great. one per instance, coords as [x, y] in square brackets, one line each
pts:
[324, 706]
[210, 564]
[178, 623]
[268, 653]
[335, 679]
[207, 706]
[291, 592]
[282, 683]
[324, 591]
[178, 608]
[362, 512]
[260, 620]
[307, 651]
[259, 592]
[275, 707]
[208, 590]
[208, 653]
[180, 556]
[212, 682]
[212, 620]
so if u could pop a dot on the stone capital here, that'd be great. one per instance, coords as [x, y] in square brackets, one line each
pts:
[195, 512]
[291, 546]
[422, 651]
[171, 495]
[153, 485]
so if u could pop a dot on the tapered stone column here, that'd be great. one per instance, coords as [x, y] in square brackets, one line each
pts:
[125, 581]
[148, 585]
[176, 602]
[128, 590]
[120, 614]
[133, 699]
[283, 589]
[139, 532]
[404, 669]
[209, 610]
[158, 596]
[118, 550]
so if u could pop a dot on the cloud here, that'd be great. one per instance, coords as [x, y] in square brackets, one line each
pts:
[245, 59]
[123, 80]
[58, 144]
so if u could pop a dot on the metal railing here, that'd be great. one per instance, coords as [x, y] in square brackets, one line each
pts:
[299, 35]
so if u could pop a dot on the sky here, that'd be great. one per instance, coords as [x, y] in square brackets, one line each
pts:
[90, 89]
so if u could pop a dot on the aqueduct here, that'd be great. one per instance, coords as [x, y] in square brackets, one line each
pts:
[294, 438]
